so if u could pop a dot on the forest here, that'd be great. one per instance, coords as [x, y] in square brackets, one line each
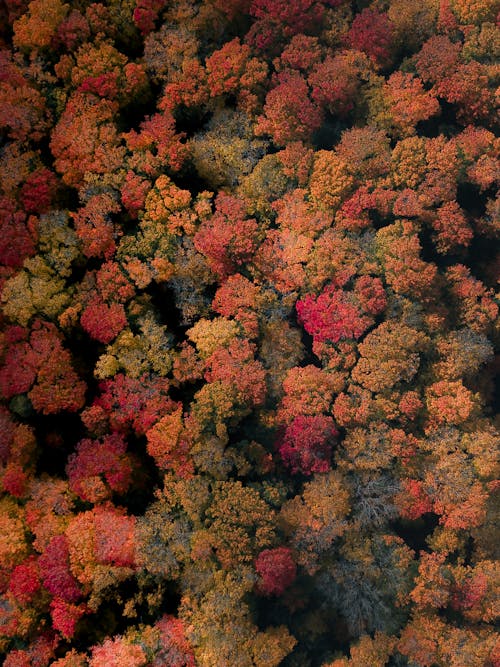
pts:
[249, 333]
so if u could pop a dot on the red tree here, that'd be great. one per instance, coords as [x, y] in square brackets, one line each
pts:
[99, 467]
[94, 226]
[46, 371]
[103, 322]
[25, 580]
[55, 571]
[294, 16]
[229, 238]
[335, 82]
[306, 444]
[276, 569]
[129, 403]
[174, 649]
[289, 113]
[39, 190]
[333, 315]
[17, 235]
[371, 33]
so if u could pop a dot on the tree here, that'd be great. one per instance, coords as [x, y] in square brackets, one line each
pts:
[103, 71]
[101, 546]
[240, 524]
[157, 146]
[39, 190]
[227, 150]
[331, 180]
[276, 570]
[468, 88]
[474, 303]
[100, 467]
[316, 518]
[48, 510]
[128, 403]
[231, 71]
[35, 290]
[336, 258]
[335, 82]
[148, 351]
[427, 639]
[39, 287]
[478, 13]
[368, 651]
[308, 390]
[150, 253]
[301, 53]
[73, 30]
[437, 60]
[281, 349]
[369, 448]
[39, 651]
[366, 150]
[212, 335]
[221, 629]
[37, 28]
[189, 88]
[374, 499]
[282, 258]
[229, 238]
[294, 17]
[102, 322]
[23, 110]
[236, 366]
[166, 50]
[117, 653]
[462, 353]
[173, 647]
[449, 402]
[113, 283]
[25, 584]
[476, 145]
[18, 240]
[371, 32]
[169, 444]
[133, 193]
[146, 13]
[389, 355]
[296, 160]
[238, 297]
[405, 271]
[451, 228]
[306, 444]
[296, 214]
[94, 225]
[405, 102]
[289, 114]
[17, 456]
[71, 659]
[413, 24]
[55, 571]
[332, 316]
[65, 616]
[192, 283]
[49, 377]
[13, 543]
[85, 139]
[473, 590]
[163, 538]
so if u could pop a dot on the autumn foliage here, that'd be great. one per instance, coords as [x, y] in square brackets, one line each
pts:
[249, 331]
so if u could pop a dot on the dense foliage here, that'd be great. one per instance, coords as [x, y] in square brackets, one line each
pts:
[248, 254]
